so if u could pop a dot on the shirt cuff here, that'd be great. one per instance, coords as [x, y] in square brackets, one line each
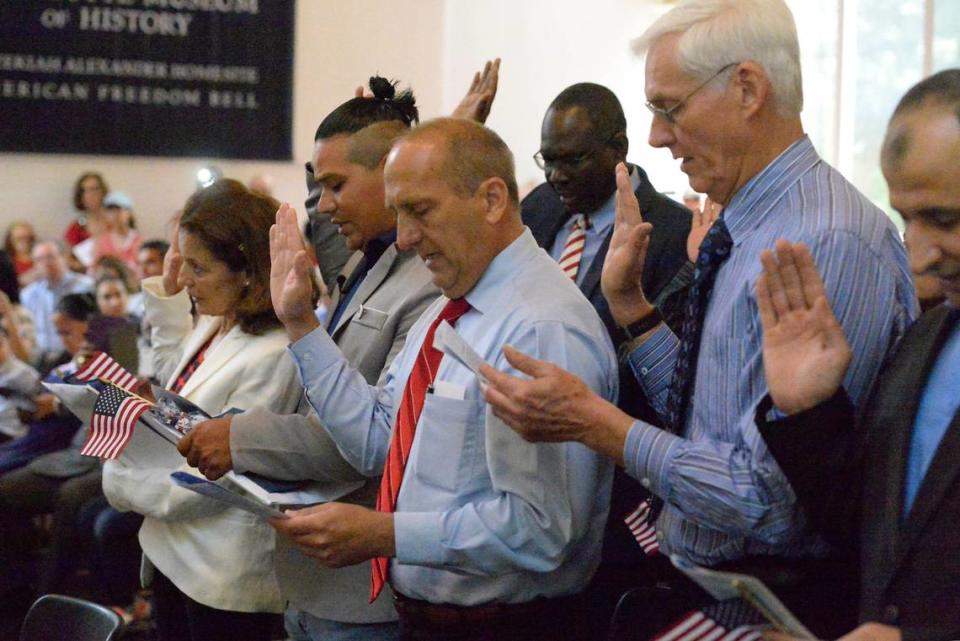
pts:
[417, 538]
[647, 355]
[314, 353]
[648, 454]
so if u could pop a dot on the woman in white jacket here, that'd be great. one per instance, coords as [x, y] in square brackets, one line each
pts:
[211, 566]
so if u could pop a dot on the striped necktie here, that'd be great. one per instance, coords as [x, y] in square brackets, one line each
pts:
[573, 248]
[714, 250]
[411, 404]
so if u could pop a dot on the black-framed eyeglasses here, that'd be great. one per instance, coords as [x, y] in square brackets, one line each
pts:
[669, 114]
[569, 162]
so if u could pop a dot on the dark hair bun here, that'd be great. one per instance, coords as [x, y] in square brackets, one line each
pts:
[382, 88]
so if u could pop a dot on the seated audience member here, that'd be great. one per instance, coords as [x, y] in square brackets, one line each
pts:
[488, 536]
[211, 566]
[14, 317]
[122, 240]
[59, 482]
[19, 384]
[897, 516]
[111, 296]
[150, 258]
[51, 426]
[583, 138]
[89, 217]
[18, 244]
[717, 496]
[116, 268]
[41, 297]
[380, 282]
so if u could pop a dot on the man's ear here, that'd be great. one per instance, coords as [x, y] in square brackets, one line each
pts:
[620, 145]
[753, 86]
[496, 198]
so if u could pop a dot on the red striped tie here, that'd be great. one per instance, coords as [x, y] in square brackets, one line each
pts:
[414, 394]
[573, 249]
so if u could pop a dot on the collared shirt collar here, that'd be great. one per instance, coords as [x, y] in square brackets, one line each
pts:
[489, 289]
[757, 198]
[376, 246]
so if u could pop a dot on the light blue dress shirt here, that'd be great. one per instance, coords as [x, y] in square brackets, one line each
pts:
[601, 222]
[725, 497]
[40, 298]
[938, 407]
[483, 516]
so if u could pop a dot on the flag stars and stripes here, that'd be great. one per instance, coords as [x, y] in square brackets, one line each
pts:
[114, 418]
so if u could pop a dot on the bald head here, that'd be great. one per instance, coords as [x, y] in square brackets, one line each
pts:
[471, 154]
[49, 260]
[451, 185]
[938, 93]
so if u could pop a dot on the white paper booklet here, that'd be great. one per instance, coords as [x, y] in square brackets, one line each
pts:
[448, 341]
[730, 585]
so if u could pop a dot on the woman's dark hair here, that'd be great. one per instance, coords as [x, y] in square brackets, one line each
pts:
[9, 284]
[118, 270]
[110, 278]
[358, 113]
[8, 239]
[79, 307]
[156, 244]
[78, 188]
[233, 223]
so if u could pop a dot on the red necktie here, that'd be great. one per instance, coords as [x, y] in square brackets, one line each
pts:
[573, 248]
[414, 394]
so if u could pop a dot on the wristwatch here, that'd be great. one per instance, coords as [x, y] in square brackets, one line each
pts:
[644, 325]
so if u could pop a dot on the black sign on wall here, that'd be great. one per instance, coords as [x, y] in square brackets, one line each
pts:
[207, 78]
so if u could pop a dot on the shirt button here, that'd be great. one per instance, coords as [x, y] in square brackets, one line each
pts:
[891, 614]
[645, 483]
[644, 370]
[307, 358]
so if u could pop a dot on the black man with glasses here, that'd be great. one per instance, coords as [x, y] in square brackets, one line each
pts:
[582, 139]
[722, 78]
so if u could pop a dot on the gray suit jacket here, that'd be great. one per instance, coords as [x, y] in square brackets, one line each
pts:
[370, 332]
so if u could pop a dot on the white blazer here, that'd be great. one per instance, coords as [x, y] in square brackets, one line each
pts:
[219, 556]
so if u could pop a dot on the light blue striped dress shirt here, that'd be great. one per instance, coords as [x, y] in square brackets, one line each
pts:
[483, 516]
[725, 498]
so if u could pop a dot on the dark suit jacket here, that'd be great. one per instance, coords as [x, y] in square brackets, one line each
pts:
[850, 482]
[543, 212]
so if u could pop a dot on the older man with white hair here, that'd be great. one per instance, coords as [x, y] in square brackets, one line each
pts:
[723, 83]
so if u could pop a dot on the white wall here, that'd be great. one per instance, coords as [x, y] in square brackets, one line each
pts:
[547, 45]
[338, 46]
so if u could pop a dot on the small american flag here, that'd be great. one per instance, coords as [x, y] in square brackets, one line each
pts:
[641, 524]
[100, 365]
[114, 417]
[732, 620]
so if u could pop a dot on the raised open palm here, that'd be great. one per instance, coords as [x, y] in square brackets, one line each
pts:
[290, 287]
[623, 265]
[805, 353]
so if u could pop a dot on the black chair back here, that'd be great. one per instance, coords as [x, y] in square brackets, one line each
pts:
[54, 617]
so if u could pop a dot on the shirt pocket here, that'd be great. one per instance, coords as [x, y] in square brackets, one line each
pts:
[447, 440]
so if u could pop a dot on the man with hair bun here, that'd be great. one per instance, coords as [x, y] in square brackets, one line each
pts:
[723, 84]
[481, 535]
